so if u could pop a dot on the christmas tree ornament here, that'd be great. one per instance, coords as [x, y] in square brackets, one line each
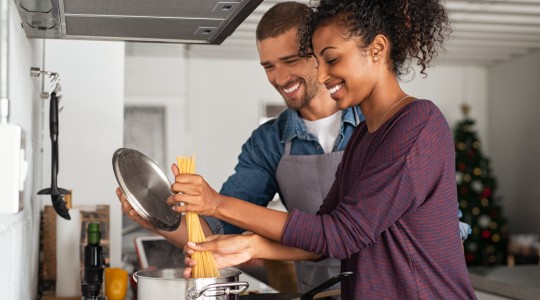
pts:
[477, 186]
[484, 221]
[459, 177]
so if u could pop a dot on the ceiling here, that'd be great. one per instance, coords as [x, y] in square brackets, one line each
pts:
[485, 32]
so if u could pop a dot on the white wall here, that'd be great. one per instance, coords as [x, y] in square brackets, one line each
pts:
[514, 107]
[91, 125]
[19, 233]
[90, 130]
[225, 100]
[158, 78]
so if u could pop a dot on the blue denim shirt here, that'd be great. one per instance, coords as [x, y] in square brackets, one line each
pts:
[254, 179]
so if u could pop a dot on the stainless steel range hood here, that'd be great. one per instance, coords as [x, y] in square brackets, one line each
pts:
[176, 21]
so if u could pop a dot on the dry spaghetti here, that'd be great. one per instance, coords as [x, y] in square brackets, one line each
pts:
[206, 265]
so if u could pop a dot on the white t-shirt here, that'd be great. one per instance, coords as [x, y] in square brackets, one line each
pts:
[326, 130]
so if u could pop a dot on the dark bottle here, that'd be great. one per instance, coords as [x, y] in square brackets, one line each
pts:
[94, 264]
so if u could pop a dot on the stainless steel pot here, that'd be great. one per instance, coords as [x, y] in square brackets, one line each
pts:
[165, 284]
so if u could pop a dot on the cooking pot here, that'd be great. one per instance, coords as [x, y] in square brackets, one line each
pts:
[164, 284]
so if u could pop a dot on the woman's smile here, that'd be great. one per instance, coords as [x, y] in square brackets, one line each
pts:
[335, 88]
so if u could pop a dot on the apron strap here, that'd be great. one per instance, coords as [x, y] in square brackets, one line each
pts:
[287, 148]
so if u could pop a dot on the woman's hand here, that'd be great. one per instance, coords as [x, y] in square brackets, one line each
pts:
[228, 250]
[231, 250]
[128, 210]
[194, 193]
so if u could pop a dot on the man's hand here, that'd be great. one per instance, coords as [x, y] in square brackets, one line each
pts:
[194, 194]
[128, 210]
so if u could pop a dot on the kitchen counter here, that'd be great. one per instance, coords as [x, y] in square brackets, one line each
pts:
[519, 282]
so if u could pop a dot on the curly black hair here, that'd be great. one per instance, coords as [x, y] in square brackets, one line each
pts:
[415, 28]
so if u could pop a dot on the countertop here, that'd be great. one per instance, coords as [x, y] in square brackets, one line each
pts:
[518, 282]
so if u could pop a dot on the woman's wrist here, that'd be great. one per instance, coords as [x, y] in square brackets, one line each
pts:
[255, 242]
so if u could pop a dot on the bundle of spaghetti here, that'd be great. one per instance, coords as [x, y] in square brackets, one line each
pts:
[206, 265]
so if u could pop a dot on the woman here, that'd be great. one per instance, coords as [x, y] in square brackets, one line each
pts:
[390, 214]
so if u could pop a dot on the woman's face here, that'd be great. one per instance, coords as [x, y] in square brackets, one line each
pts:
[345, 69]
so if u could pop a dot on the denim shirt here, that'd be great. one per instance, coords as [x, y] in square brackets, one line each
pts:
[254, 179]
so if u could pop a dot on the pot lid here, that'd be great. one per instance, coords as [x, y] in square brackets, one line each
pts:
[146, 188]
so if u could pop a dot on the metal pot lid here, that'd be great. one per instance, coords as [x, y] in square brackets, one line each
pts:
[146, 188]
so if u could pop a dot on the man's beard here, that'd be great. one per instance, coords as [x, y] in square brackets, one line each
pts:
[309, 93]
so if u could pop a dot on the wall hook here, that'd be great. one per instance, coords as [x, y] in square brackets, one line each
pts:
[55, 82]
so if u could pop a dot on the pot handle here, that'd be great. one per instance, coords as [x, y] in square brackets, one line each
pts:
[321, 287]
[218, 291]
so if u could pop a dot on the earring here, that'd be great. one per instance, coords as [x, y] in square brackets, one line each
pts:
[375, 58]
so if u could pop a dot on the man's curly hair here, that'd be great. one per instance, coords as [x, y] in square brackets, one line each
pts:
[415, 29]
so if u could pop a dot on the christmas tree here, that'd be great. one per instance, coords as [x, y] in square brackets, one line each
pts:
[487, 243]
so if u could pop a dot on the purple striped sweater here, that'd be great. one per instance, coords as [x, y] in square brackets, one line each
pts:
[390, 215]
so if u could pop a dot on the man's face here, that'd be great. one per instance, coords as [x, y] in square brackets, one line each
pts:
[295, 78]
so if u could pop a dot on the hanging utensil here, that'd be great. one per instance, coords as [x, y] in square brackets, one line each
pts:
[57, 194]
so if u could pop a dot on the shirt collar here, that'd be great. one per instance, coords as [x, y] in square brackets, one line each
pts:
[350, 116]
[295, 127]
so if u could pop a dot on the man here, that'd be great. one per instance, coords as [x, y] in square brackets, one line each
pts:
[295, 155]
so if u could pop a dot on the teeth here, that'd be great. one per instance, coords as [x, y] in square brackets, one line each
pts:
[335, 88]
[292, 88]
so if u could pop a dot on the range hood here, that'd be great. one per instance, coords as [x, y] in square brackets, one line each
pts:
[175, 21]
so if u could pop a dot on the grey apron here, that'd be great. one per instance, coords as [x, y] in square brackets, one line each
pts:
[304, 181]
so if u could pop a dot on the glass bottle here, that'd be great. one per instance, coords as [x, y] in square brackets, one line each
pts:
[94, 265]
